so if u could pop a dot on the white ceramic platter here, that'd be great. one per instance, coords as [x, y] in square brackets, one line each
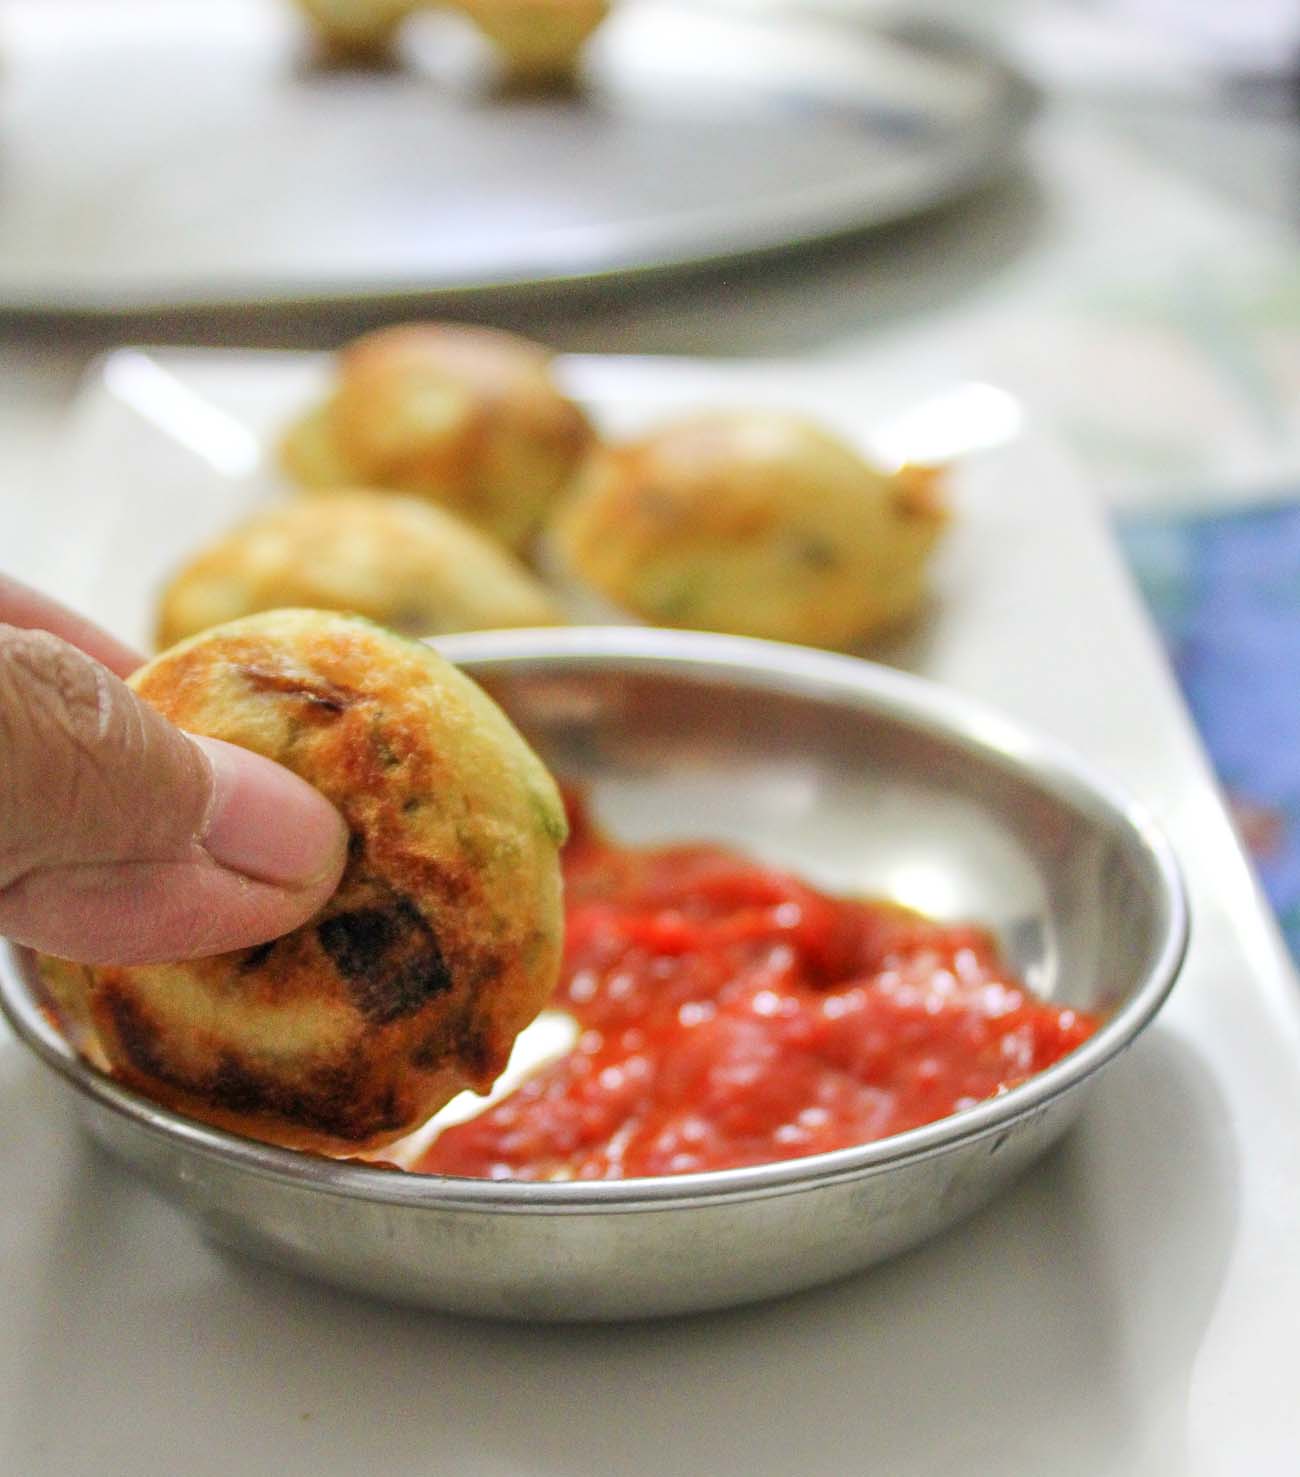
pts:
[1129, 1308]
[165, 154]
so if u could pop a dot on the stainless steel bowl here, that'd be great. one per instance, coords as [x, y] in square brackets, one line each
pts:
[863, 778]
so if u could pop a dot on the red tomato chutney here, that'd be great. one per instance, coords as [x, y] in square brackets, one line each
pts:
[731, 1014]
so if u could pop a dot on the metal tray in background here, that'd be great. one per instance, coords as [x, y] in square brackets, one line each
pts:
[157, 156]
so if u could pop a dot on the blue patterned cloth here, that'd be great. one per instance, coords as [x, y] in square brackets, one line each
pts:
[1225, 592]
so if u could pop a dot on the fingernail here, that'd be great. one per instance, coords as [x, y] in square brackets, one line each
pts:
[266, 822]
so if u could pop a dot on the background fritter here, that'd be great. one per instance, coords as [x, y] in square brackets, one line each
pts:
[356, 29]
[538, 40]
[756, 523]
[396, 560]
[466, 417]
[442, 940]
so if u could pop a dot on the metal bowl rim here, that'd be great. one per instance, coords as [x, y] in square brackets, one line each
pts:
[770, 666]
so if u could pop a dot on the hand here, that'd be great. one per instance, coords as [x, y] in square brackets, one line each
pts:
[124, 840]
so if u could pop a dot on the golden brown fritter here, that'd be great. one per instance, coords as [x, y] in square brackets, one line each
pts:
[356, 29]
[466, 417]
[755, 523]
[538, 40]
[396, 560]
[443, 938]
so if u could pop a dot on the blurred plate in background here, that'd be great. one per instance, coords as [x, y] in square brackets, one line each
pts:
[157, 156]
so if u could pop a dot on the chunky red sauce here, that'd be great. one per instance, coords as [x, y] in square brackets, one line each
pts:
[733, 1015]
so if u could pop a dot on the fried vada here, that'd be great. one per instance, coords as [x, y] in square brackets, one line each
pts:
[754, 523]
[399, 561]
[469, 418]
[537, 40]
[355, 30]
[442, 940]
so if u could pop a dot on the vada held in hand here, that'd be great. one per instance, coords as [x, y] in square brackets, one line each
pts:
[216, 933]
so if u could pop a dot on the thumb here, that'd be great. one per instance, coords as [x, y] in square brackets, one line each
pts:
[124, 840]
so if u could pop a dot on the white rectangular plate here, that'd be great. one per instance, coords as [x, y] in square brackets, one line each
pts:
[1130, 1307]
